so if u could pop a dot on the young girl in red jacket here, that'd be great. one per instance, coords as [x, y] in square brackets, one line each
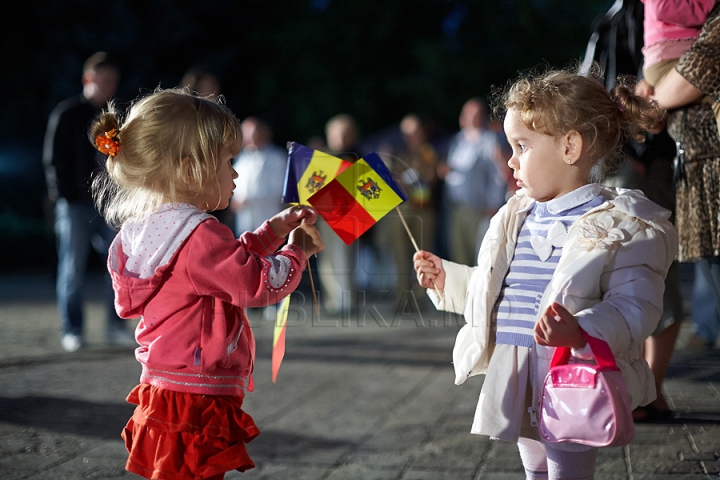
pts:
[189, 279]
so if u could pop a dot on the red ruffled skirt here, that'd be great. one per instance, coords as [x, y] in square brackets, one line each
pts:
[186, 436]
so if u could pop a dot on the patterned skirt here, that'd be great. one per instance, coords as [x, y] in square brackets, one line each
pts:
[698, 211]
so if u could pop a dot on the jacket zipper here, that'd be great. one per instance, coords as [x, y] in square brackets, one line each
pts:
[534, 407]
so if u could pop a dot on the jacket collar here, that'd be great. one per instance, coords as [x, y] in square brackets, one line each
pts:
[631, 202]
[565, 202]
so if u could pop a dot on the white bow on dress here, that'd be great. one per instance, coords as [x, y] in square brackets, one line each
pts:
[543, 246]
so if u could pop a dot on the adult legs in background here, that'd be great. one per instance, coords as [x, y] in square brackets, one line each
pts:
[336, 271]
[659, 347]
[464, 229]
[72, 233]
[705, 316]
[658, 351]
[116, 331]
[77, 228]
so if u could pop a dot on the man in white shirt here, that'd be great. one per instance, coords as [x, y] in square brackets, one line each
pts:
[258, 188]
[475, 186]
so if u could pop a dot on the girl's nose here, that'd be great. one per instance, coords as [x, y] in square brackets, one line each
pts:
[512, 162]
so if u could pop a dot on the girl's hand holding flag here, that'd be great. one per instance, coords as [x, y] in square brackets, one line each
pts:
[430, 272]
[291, 218]
[299, 222]
[307, 237]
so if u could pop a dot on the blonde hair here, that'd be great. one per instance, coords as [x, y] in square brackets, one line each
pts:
[167, 137]
[557, 102]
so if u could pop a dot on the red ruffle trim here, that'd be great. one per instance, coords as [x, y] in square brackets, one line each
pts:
[186, 436]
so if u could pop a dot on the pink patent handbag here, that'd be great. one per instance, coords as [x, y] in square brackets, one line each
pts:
[584, 403]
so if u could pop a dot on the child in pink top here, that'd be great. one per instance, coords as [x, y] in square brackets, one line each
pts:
[670, 27]
[189, 279]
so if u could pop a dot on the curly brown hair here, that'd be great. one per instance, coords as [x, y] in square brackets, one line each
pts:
[556, 102]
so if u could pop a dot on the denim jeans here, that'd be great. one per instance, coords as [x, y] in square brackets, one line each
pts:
[78, 227]
[706, 299]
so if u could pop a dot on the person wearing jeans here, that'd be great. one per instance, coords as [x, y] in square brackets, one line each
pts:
[70, 161]
[78, 228]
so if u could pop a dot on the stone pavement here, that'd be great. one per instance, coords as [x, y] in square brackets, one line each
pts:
[368, 397]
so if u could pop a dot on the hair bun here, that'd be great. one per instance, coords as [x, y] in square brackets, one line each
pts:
[108, 143]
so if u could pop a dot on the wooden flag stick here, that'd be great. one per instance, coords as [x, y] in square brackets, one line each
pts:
[312, 282]
[412, 239]
[312, 287]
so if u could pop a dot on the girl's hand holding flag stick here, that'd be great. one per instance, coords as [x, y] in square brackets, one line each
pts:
[301, 220]
[304, 234]
[419, 255]
[312, 284]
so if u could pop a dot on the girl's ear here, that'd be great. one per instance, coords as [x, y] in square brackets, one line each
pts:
[573, 143]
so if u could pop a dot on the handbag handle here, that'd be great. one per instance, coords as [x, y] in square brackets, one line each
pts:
[600, 349]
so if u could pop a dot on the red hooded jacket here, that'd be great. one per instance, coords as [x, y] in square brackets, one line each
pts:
[190, 280]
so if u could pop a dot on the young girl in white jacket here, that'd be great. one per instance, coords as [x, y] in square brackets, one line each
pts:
[564, 253]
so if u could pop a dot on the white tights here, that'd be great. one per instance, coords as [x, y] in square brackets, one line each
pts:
[544, 462]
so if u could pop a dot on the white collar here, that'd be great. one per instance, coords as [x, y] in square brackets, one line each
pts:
[567, 201]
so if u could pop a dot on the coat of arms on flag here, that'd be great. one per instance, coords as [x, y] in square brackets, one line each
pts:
[315, 182]
[351, 197]
[369, 189]
[358, 197]
[308, 171]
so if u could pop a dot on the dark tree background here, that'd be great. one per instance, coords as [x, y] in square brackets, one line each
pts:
[294, 62]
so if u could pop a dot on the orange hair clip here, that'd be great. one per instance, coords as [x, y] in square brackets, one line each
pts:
[107, 143]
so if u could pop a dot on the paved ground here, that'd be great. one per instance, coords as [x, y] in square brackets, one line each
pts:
[368, 397]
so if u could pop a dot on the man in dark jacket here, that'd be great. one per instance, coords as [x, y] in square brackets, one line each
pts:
[70, 160]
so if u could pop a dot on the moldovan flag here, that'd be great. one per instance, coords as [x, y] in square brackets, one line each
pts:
[278, 350]
[358, 197]
[308, 171]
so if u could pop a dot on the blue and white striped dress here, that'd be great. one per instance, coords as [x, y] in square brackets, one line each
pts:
[518, 305]
[505, 396]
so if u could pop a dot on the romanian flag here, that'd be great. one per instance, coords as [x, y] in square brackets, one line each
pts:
[308, 171]
[278, 350]
[358, 197]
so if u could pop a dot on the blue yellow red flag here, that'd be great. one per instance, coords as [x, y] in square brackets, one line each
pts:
[308, 171]
[358, 197]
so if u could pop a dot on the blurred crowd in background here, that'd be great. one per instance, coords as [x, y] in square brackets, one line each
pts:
[453, 166]
[293, 65]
